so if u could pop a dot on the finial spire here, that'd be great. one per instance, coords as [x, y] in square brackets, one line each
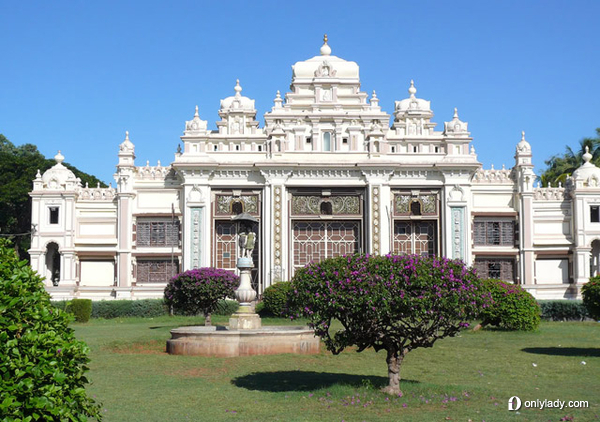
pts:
[522, 135]
[325, 49]
[127, 135]
[196, 113]
[587, 156]
[237, 88]
[59, 157]
[412, 90]
[455, 113]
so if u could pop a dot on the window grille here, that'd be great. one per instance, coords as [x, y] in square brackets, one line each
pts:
[501, 233]
[158, 233]
[156, 271]
[498, 268]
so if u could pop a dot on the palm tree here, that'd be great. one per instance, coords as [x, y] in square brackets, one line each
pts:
[562, 166]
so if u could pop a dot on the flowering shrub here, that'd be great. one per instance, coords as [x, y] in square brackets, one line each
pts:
[391, 303]
[591, 297]
[275, 299]
[512, 307]
[200, 290]
[42, 365]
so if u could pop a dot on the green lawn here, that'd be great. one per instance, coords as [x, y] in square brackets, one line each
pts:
[464, 378]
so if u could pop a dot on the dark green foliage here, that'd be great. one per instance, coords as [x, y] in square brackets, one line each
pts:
[42, 365]
[200, 290]
[81, 308]
[591, 297]
[563, 310]
[275, 299]
[144, 308]
[18, 167]
[561, 166]
[391, 303]
[512, 307]
[226, 307]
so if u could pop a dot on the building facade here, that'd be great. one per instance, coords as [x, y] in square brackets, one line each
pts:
[327, 175]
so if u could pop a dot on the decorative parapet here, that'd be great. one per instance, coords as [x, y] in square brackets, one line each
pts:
[550, 194]
[501, 176]
[96, 194]
[153, 172]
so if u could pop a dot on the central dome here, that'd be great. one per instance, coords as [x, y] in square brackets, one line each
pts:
[325, 66]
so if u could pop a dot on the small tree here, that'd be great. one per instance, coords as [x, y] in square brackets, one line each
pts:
[391, 303]
[199, 291]
[42, 365]
[591, 297]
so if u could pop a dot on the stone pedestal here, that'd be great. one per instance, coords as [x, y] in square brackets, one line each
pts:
[244, 321]
[244, 318]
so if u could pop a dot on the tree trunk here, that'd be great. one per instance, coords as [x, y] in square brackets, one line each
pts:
[393, 359]
[207, 321]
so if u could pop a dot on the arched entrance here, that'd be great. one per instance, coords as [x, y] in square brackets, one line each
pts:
[53, 263]
[595, 259]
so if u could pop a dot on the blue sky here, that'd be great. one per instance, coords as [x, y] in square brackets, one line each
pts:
[76, 75]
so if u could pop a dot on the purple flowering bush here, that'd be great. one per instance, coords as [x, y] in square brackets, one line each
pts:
[200, 290]
[591, 297]
[391, 303]
[512, 308]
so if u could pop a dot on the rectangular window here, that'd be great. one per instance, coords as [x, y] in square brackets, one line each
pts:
[595, 214]
[53, 215]
[493, 233]
[156, 271]
[497, 268]
[158, 233]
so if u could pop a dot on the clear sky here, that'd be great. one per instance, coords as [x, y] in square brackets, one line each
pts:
[76, 75]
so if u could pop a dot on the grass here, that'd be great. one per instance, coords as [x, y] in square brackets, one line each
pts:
[469, 377]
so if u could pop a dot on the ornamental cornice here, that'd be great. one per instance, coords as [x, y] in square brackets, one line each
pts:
[325, 173]
[271, 175]
[500, 176]
[383, 175]
[550, 194]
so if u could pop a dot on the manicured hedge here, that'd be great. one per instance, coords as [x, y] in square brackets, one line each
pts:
[512, 307]
[591, 297]
[142, 308]
[275, 298]
[81, 308]
[563, 310]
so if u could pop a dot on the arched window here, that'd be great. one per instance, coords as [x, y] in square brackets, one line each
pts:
[327, 141]
[326, 208]
[415, 207]
[237, 207]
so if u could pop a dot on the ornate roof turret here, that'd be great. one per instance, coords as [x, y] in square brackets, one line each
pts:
[523, 146]
[324, 66]
[325, 49]
[126, 146]
[456, 126]
[412, 104]
[59, 177]
[237, 101]
[588, 175]
[196, 126]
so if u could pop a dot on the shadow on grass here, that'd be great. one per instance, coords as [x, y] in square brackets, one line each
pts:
[306, 381]
[564, 351]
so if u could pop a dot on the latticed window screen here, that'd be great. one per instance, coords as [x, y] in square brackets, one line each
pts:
[415, 237]
[156, 271]
[500, 233]
[317, 240]
[498, 268]
[158, 233]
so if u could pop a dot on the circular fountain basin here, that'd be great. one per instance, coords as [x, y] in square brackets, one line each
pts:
[220, 341]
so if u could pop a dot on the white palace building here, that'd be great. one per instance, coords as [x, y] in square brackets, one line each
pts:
[327, 175]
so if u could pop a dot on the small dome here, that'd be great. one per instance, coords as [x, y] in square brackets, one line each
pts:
[412, 103]
[523, 146]
[237, 101]
[57, 176]
[588, 172]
